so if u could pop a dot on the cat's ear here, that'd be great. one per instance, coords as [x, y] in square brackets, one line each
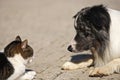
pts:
[24, 44]
[18, 38]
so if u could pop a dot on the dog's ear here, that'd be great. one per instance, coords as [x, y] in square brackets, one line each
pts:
[18, 38]
[82, 12]
[76, 15]
[99, 17]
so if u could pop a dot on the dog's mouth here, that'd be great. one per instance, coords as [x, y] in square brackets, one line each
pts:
[78, 48]
[71, 49]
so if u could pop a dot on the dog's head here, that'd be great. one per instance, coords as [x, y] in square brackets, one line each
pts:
[91, 25]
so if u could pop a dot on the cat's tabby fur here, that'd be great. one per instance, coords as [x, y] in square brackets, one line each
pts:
[13, 60]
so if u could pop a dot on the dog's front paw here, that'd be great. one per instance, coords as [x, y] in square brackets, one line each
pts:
[69, 66]
[100, 72]
[28, 75]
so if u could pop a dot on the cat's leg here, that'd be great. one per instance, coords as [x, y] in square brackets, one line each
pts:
[72, 65]
[111, 67]
[29, 75]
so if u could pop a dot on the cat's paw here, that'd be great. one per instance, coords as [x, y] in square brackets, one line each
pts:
[28, 75]
[31, 74]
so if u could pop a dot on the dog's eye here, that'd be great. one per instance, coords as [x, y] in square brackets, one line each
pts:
[86, 34]
[81, 35]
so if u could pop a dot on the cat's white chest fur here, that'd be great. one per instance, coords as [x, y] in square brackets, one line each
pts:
[19, 68]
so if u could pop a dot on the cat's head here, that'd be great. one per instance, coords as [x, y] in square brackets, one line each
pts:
[20, 50]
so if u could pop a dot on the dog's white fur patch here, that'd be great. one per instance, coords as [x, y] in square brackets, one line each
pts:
[75, 21]
[114, 33]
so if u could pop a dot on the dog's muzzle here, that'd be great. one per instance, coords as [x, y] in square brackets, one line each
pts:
[70, 48]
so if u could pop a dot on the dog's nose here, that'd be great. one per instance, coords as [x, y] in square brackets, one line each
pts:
[70, 48]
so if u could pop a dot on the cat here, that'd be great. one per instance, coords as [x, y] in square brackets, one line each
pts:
[13, 60]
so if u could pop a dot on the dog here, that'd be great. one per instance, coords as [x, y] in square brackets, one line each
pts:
[97, 30]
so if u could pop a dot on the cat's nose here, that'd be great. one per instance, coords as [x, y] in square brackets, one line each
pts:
[70, 48]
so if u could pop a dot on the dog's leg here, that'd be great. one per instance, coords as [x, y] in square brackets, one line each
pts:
[72, 65]
[111, 67]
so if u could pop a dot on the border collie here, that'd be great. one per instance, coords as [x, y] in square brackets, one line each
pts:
[97, 29]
